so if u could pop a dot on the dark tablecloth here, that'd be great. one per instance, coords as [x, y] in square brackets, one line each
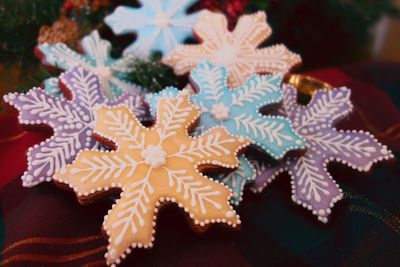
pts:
[46, 226]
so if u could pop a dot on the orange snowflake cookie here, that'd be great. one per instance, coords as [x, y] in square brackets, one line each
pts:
[236, 50]
[151, 166]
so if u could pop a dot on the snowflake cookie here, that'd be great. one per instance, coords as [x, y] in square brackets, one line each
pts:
[236, 180]
[312, 185]
[96, 59]
[151, 166]
[70, 117]
[236, 50]
[238, 110]
[160, 25]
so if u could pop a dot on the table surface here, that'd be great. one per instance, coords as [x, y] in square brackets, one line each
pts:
[45, 226]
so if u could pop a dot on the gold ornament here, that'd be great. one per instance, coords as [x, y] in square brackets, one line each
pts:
[306, 84]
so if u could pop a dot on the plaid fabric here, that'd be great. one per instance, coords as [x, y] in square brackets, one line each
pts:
[45, 226]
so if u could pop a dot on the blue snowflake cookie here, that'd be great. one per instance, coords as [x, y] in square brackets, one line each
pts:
[160, 25]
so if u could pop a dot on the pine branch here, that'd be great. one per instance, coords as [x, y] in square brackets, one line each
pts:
[21, 21]
[151, 74]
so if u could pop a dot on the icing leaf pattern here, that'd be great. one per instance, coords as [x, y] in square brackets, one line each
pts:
[152, 165]
[236, 180]
[237, 50]
[71, 120]
[238, 111]
[95, 58]
[312, 185]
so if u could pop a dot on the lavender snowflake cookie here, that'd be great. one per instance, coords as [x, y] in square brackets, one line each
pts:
[312, 185]
[71, 119]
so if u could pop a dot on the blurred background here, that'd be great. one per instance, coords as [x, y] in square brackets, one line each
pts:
[325, 32]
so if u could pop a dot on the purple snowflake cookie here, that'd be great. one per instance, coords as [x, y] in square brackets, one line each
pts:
[71, 119]
[312, 185]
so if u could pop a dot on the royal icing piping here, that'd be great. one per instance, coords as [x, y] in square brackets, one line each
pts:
[237, 50]
[71, 120]
[312, 185]
[160, 25]
[153, 165]
[238, 110]
[96, 58]
[236, 180]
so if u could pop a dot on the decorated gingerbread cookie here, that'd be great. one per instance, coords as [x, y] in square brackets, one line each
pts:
[237, 50]
[238, 110]
[236, 180]
[152, 166]
[96, 58]
[160, 25]
[312, 185]
[70, 117]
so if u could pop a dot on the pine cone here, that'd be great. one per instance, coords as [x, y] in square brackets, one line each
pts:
[63, 30]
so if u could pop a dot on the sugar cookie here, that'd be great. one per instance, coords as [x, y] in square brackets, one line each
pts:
[151, 166]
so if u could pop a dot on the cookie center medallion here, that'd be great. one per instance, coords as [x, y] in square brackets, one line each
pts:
[104, 73]
[226, 55]
[220, 112]
[162, 21]
[154, 156]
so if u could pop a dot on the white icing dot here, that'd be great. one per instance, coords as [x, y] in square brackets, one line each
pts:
[113, 254]
[162, 20]
[226, 55]
[154, 156]
[384, 151]
[63, 171]
[229, 214]
[104, 73]
[220, 112]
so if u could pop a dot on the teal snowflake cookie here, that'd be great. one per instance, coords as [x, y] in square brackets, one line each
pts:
[160, 25]
[51, 87]
[236, 180]
[238, 110]
[96, 59]
[153, 98]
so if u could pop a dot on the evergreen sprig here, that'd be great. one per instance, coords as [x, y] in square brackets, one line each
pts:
[20, 24]
[151, 74]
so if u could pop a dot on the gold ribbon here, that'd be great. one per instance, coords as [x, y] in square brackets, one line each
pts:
[52, 241]
[306, 84]
[53, 258]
